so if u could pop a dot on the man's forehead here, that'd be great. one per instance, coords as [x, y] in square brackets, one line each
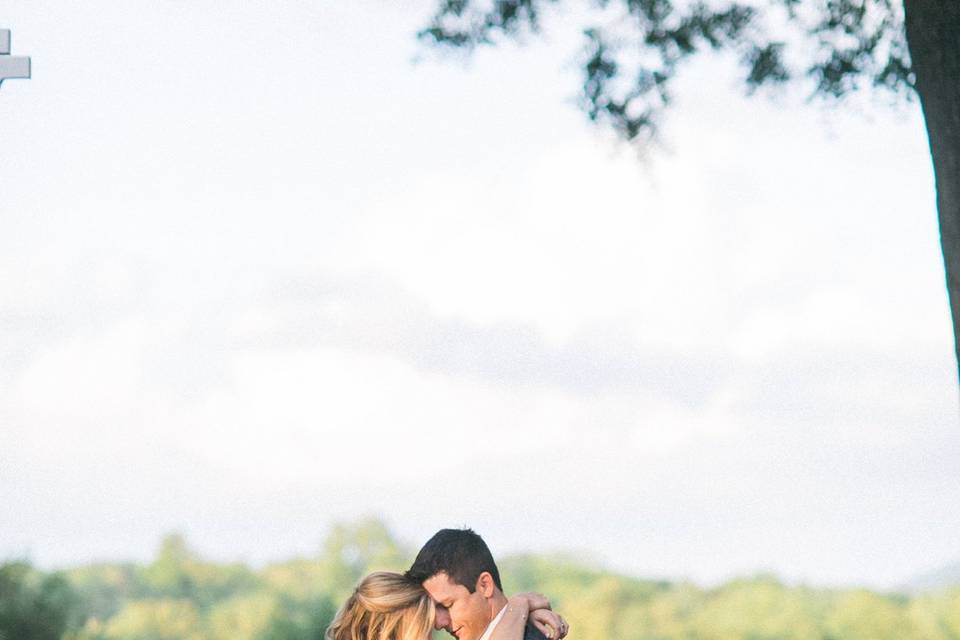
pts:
[441, 586]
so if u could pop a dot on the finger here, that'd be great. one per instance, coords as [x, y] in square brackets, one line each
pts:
[538, 623]
[558, 624]
[544, 618]
[549, 617]
[539, 601]
[542, 628]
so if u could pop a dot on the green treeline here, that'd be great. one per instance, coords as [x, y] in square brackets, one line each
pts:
[180, 596]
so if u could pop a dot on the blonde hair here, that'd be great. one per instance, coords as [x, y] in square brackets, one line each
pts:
[384, 606]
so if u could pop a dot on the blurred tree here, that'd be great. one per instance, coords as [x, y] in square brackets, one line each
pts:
[950, 612]
[241, 618]
[161, 619]
[926, 616]
[296, 600]
[669, 616]
[34, 606]
[563, 577]
[634, 48]
[597, 603]
[178, 572]
[299, 578]
[270, 616]
[350, 551]
[760, 608]
[170, 573]
[936, 616]
[103, 588]
[300, 619]
[863, 615]
[611, 606]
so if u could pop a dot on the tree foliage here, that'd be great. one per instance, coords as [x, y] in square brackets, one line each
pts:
[34, 606]
[633, 49]
[296, 600]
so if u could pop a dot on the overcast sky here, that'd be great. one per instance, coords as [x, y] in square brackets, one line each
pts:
[261, 272]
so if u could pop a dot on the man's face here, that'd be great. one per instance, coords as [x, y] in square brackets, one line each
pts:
[462, 614]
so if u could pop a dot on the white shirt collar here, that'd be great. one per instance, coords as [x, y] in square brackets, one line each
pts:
[493, 624]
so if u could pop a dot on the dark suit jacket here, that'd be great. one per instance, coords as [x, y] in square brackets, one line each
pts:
[532, 633]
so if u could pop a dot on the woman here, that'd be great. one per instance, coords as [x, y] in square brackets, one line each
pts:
[388, 606]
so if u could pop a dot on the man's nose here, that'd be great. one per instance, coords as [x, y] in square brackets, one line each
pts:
[442, 620]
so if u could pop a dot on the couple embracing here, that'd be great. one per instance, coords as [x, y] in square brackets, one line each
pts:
[453, 585]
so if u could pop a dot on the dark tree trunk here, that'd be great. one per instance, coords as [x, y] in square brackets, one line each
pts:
[933, 35]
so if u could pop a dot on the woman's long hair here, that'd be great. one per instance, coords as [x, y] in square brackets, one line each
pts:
[384, 606]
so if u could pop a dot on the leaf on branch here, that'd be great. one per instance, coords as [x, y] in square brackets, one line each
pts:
[629, 63]
[766, 65]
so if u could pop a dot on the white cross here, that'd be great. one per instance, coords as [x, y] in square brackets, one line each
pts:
[11, 66]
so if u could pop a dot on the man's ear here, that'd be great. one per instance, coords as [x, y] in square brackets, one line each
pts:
[485, 585]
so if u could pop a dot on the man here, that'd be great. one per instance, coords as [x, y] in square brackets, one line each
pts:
[457, 570]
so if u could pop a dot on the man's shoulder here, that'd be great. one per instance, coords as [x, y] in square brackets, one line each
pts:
[532, 633]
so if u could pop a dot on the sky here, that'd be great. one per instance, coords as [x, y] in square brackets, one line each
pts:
[269, 267]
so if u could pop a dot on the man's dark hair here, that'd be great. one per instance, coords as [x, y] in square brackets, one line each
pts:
[459, 553]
